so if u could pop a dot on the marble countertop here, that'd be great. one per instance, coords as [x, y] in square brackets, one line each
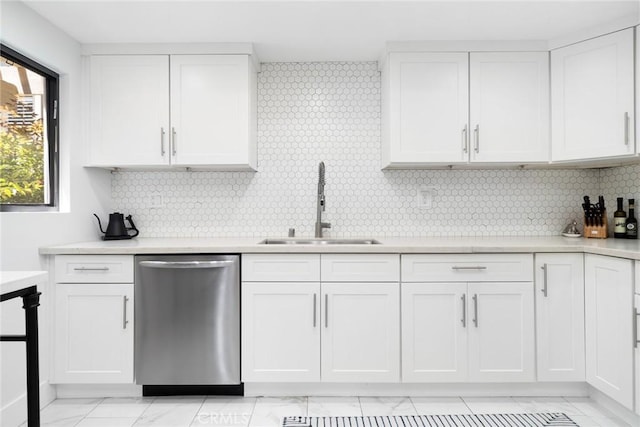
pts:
[14, 280]
[613, 247]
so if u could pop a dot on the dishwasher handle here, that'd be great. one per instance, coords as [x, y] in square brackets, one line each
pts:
[186, 264]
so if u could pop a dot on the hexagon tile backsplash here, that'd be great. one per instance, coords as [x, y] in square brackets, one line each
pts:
[312, 112]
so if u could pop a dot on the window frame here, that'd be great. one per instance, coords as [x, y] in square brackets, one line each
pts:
[52, 91]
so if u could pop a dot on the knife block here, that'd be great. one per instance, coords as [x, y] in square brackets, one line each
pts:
[596, 231]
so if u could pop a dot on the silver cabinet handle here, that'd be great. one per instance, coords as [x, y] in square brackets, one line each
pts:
[186, 264]
[314, 309]
[326, 310]
[476, 133]
[173, 141]
[475, 310]
[544, 280]
[91, 268]
[464, 310]
[124, 312]
[470, 267]
[162, 133]
[465, 140]
[636, 339]
[626, 128]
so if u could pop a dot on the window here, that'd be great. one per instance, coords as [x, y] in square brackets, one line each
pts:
[28, 134]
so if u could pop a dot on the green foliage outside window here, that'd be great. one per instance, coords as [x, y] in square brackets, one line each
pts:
[21, 164]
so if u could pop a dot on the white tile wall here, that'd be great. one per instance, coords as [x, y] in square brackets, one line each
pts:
[623, 182]
[308, 112]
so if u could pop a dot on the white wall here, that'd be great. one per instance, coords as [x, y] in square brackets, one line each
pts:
[82, 192]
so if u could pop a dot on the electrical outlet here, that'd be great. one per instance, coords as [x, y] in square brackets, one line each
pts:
[155, 200]
[425, 196]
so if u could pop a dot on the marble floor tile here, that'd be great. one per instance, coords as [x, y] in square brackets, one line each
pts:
[107, 422]
[387, 406]
[493, 405]
[326, 406]
[612, 422]
[67, 412]
[225, 412]
[590, 408]
[171, 412]
[587, 421]
[121, 407]
[547, 404]
[269, 411]
[440, 406]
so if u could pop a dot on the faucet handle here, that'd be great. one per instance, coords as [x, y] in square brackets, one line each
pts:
[325, 224]
[292, 232]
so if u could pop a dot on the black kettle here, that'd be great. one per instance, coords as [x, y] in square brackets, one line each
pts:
[116, 230]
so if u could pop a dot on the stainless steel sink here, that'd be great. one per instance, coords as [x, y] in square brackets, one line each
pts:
[309, 241]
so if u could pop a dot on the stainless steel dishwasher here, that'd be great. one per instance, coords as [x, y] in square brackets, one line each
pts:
[187, 324]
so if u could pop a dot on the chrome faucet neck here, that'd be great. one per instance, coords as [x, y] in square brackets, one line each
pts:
[321, 203]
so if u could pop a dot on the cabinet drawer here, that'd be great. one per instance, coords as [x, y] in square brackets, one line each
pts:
[281, 268]
[467, 268]
[360, 267]
[94, 268]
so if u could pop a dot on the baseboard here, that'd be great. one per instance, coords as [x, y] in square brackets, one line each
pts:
[426, 390]
[14, 413]
[98, 390]
[614, 407]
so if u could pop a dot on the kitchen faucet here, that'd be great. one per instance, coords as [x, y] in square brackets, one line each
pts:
[321, 202]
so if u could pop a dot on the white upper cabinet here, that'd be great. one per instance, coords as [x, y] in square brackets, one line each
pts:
[638, 104]
[509, 107]
[457, 108]
[211, 109]
[172, 110]
[428, 108]
[128, 110]
[592, 100]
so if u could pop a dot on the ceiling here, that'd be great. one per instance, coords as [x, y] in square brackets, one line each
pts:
[325, 30]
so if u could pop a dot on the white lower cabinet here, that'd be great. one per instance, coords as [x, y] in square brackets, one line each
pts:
[609, 329]
[93, 333]
[434, 313]
[93, 319]
[636, 340]
[460, 332]
[501, 333]
[310, 330]
[360, 332]
[560, 316]
[280, 331]
[478, 330]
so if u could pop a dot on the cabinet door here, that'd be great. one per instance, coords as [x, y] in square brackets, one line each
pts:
[637, 341]
[434, 332]
[360, 332]
[501, 332]
[280, 332]
[592, 98]
[637, 129]
[608, 313]
[129, 110]
[509, 106]
[212, 114]
[93, 333]
[560, 317]
[427, 106]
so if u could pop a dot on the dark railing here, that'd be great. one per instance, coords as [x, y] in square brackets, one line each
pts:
[30, 302]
